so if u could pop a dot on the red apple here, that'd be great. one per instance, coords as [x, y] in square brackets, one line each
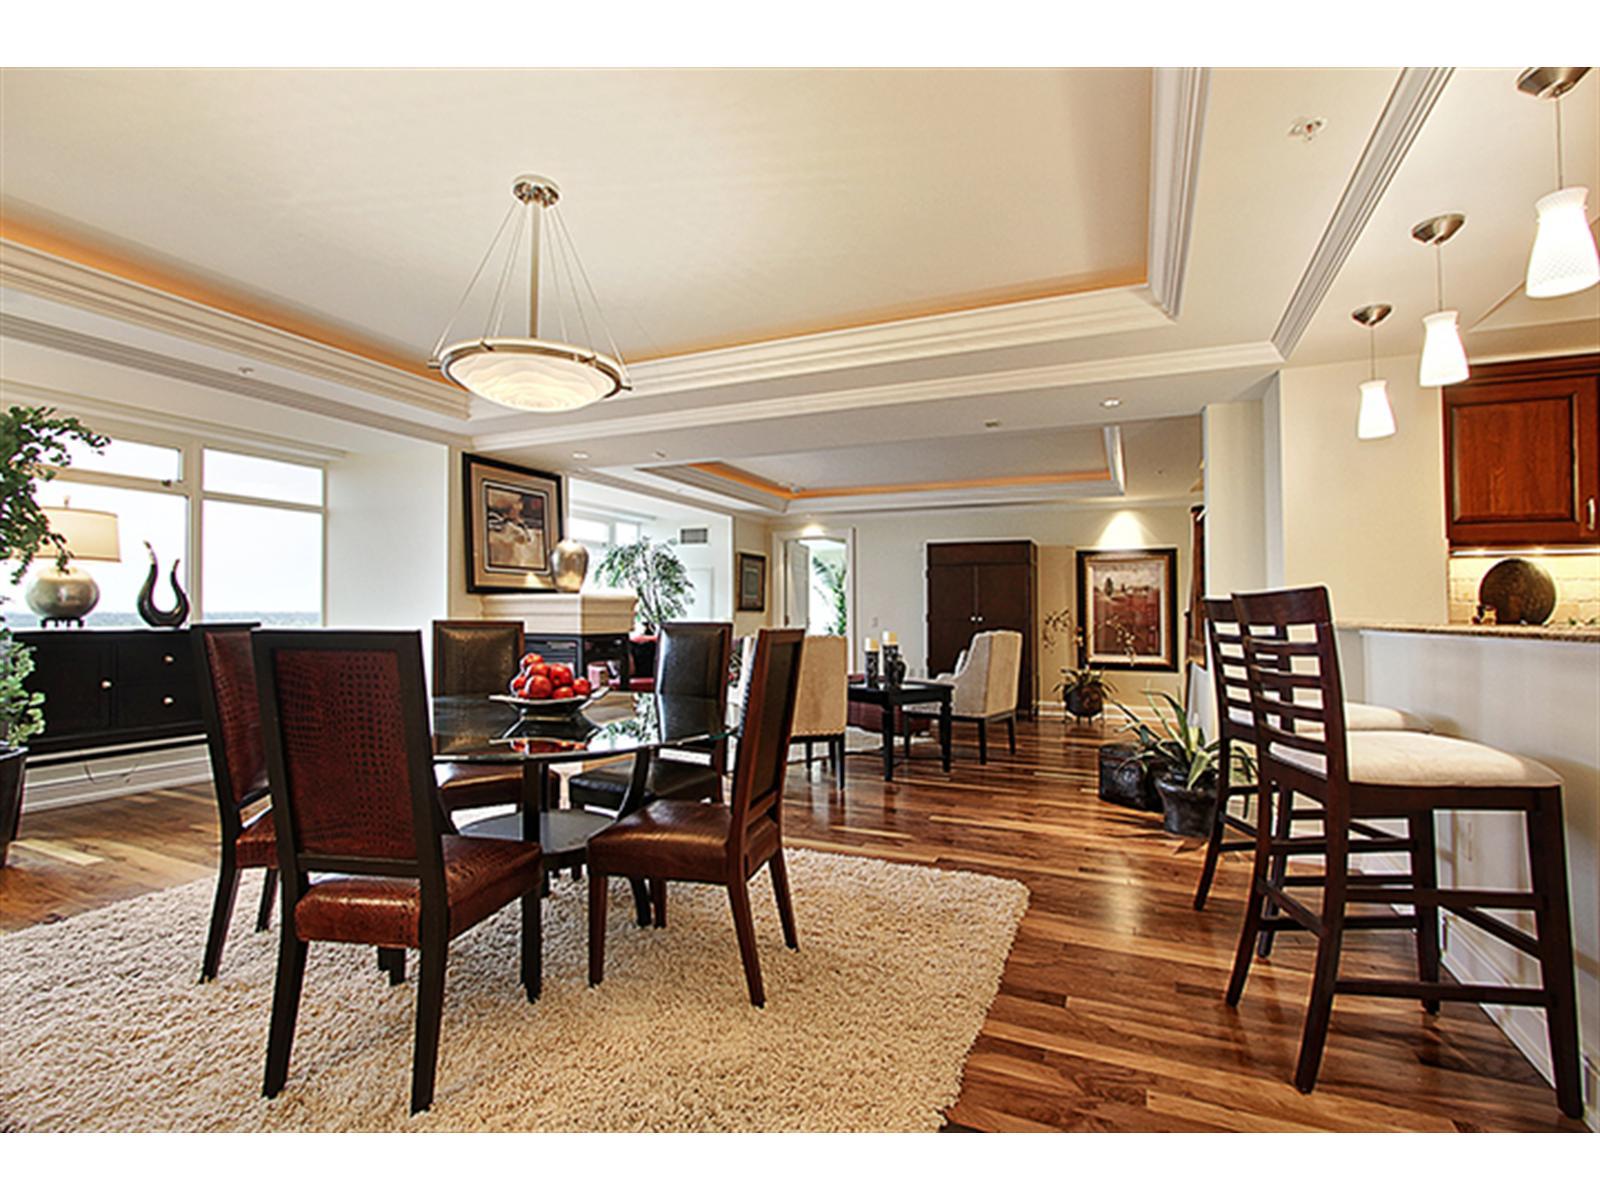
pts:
[581, 687]
[539, 688]
[563, 693]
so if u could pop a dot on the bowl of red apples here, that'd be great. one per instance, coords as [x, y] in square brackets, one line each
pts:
[544, 689]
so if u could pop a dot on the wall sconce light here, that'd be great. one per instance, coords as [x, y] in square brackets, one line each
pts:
[1376, 418]
[1564, 259]
[1443, 359]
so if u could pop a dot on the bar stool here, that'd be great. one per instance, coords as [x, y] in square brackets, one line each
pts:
[1235, 726]
[1296, 699]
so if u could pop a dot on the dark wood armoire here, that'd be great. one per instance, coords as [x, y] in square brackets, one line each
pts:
[973, 586]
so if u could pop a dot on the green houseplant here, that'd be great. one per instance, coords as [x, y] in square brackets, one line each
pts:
[34, 443]
[655, 574]
[1182, 765]
[1083, 691]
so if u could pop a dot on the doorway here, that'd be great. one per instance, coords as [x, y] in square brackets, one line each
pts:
[818, 591]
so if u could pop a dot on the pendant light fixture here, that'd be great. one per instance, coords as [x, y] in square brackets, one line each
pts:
[533, 373]
[1376, 419]
[1443, 359]
[1564, 259]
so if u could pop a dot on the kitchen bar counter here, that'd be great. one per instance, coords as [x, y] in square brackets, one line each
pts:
[1535, 633]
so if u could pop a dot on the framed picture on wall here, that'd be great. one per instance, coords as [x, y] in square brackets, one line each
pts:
[752, 577]
[513, 519]
[1128, 609]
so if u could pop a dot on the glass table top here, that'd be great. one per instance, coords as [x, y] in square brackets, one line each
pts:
[477, 729]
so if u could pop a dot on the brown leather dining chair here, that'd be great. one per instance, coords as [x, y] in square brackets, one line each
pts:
[232, 717]
[476, 658]
[716, 843]
[349, 754]
[692, 660]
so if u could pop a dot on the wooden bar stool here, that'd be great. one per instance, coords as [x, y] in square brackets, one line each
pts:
[1296, 700]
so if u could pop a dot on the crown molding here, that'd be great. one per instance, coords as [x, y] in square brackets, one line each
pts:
[122, 354]
[1414, 95]
[1107, 370]
[52, 278]
[1177, 121]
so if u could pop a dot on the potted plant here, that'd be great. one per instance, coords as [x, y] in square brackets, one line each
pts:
[1083, 691]
[1183, 766]
[33, 443]
[655, 574]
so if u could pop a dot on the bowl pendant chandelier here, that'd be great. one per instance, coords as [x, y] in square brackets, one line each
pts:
[1564, 259]
[1376, 417]
[1444, 361]
[531, 373]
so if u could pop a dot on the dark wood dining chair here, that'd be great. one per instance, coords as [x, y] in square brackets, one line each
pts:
[692, 661]
[232, 717]
[1304, 749]
[716, 843]
[349, 754]
[476, 658]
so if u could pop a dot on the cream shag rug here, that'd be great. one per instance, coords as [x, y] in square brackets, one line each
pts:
[103, 1026]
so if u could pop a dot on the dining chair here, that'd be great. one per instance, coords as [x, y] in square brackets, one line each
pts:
[692, 661]
[985, 680]
[714, 843]
[232, 719]
[1304, 749]
[821, 706]
[476, 658]
[363, 852]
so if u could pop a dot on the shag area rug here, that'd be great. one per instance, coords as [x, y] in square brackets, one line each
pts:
[104, 1027]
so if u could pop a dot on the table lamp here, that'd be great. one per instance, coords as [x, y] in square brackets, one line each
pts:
[64, 596]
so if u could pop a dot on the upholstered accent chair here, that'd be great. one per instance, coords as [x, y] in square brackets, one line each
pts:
[716, 843]
[1304, 749]
[476, 658]
[985, 679]
[232, 717]
[364, 851]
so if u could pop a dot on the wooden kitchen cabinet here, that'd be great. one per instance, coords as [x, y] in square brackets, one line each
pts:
[1522, 454]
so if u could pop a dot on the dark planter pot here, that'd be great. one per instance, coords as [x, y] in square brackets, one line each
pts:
[1123, 781]
[1189, 814]
[11, 761]
[1084, 702]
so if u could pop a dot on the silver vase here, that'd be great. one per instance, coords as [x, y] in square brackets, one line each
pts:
[61, 596]
[569, 563]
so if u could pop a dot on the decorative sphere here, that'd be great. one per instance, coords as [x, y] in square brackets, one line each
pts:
[569, 563]
[68, 595]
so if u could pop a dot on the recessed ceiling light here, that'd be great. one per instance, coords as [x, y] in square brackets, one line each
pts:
[991, 424]
[580, 455]
[247, 370]
[1110, 402]
[1306, 128]
[660, 453]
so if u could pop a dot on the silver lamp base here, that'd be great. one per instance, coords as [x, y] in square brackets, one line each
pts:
[61, 597]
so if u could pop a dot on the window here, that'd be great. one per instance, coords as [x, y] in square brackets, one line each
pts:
[261, 564]
[262, 478]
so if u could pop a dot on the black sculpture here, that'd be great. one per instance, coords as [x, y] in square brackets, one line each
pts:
[168, 618]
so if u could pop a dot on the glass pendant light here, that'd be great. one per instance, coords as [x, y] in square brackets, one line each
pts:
[1376, 418]
[1443, 359]
[533, 373]
[1564, 259]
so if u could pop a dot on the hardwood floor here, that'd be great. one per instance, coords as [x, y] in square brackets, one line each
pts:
[1110, 1013]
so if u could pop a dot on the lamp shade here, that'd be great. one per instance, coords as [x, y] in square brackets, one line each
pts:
[531, 374]
[1376, 419]
[1443, 359]
[1564, 258]
[90, 535]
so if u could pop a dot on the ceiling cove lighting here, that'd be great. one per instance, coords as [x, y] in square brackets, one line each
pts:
[1443, 359]
[1564, 259]
[533, 373]
[1376, 418]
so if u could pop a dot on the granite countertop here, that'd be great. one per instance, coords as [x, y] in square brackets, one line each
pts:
[1537, 633]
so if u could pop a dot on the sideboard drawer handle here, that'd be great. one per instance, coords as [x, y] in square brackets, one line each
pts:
[166, 699]
[105, 685]
[167, 658]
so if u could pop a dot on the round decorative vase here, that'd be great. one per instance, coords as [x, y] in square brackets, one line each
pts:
[62, 596]
[1122, 780]
[1187, 813]
[11, 763]
[1086, 701]
[569, 563]
[1520, 592]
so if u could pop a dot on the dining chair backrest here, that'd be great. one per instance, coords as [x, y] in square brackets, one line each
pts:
[692, 659]
[231, 712]
[475, 658]
[1230, 682]
[349, 753]
[822, 705]
[763, 758]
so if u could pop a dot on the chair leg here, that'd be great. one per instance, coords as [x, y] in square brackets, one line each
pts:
[1425, 873]
[744, 927]
[1279, 869]
[1254, 904]
[430, 1009]
[1208, 869]
[658, 901]
[221, 917]
[285, 1008]
[641, 902]
[983, 742]
[810, 746]
[838, 770]
[269, 893]
[779, 870]
[1319, 1010]
[1011, 731]
[597, 927]
[533, 944]
[393, 960]
[1548, 861]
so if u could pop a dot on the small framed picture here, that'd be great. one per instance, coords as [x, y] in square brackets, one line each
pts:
[1128, 609]
[513, 519]
[752, 582]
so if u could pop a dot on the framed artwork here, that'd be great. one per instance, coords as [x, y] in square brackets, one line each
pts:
[752, 582]
[1128, 609]
[513, 521]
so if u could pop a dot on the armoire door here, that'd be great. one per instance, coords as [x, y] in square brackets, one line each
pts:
[952, 613]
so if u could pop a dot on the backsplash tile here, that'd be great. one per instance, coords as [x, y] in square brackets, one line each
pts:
[1577, 578]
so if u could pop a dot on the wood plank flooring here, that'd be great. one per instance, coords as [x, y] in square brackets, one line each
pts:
[1110, 1013]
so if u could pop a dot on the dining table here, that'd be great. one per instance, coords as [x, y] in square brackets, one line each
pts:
[483, 730]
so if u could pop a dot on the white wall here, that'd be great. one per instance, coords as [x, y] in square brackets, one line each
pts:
[1235, 492]
[754, 537]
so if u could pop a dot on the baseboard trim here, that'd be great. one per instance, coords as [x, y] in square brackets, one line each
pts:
[49, 786]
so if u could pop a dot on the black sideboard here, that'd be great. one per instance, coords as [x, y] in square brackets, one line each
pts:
[109, 688]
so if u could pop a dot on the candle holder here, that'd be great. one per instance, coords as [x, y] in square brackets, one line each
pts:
[894, 667]
[872, 668]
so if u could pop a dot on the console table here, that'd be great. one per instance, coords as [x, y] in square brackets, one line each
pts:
[891, 701]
